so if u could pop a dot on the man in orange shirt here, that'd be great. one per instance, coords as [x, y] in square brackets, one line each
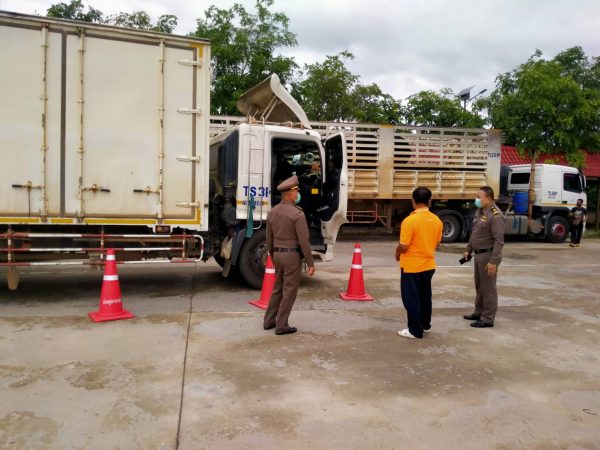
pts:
[420, 235]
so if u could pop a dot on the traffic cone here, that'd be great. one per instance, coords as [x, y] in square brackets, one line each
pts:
[111, 306]
[356, 284]
[267, 287]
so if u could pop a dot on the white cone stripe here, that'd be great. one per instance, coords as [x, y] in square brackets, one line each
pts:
[111, 277]
[357, 250]
[356, 266]
[110, 257]
[269, 270]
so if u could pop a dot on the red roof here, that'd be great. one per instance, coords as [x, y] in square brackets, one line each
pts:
[591, 167]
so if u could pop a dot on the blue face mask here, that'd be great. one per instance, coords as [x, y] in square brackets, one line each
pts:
[298, 199]
[478, 203]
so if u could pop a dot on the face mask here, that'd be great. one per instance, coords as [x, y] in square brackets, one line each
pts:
[298, 199]
[478, 203]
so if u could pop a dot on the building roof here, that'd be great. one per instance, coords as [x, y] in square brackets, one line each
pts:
[591, 167]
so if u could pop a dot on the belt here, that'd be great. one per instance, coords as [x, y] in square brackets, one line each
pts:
[286, 250]
[483, 250]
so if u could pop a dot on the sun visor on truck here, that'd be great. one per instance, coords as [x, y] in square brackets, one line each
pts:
[269, 101]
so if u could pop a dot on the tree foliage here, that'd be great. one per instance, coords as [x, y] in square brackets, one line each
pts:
[546, 106]
[141, 20]
[244, 49]
[329, 91]
[372, 105]
[75, 10]
[325, 89]
[439, 109]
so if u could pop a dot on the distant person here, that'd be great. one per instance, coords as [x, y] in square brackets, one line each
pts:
[420, 235]
[578, 217]
[487, 240]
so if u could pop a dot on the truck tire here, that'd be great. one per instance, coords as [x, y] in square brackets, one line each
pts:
[253, 258]
[452, 228]
[557, 229]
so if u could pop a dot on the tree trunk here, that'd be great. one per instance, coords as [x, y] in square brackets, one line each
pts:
[534, 156]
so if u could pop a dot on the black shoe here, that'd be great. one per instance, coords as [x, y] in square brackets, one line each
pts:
[288, 330]
[270, 327]
[472, 317]
[482, 324]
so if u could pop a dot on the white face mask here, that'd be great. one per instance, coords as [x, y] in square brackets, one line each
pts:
[478, 203]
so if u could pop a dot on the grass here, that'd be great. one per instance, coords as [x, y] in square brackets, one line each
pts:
[591, 234]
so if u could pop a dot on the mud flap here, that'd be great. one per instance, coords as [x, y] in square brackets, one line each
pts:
[12, 278]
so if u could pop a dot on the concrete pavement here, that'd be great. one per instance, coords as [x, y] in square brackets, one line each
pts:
[344, 381]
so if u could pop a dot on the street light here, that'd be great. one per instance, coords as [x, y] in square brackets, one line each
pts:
[465, 95]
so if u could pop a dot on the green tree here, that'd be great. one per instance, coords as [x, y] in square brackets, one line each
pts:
[244, 49]
[325, 89]
[141, 20]
[166, 24]
[372, 105]
[545, 106]
[75, 10]
[439, 109]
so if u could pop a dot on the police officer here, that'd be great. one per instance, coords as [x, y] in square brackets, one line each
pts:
[486, 242]
[287, 241]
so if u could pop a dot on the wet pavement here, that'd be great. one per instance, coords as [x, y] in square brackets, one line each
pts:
[346, 380]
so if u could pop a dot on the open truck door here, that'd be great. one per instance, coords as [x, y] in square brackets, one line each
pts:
[335, 186]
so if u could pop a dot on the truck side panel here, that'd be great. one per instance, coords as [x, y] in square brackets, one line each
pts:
[120, 132]
[23, 122]
[121, 114]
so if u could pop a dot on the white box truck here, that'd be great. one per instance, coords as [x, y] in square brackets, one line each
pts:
[104, 143]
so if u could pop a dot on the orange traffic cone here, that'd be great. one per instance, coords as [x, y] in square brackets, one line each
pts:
[111, 306]
[267, 287]
[356, 284]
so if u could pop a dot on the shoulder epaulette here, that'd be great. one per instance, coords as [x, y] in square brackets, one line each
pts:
[495, 211]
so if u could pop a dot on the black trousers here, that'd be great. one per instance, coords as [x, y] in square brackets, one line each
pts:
[415, 289]
[576, 232]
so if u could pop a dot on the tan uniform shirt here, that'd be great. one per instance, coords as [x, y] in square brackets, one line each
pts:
[488, 232]
[286, 227]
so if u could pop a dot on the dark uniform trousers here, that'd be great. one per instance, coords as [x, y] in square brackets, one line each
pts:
[576, 233]
[288, 271]
[415, 289]
[486, 302]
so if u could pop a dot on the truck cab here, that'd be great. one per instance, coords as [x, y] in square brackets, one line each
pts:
[557, 189]
[249, 160]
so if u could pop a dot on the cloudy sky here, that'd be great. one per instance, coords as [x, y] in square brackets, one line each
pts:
[406, 46]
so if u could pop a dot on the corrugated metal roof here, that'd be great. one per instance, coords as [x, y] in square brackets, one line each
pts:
[511, 156]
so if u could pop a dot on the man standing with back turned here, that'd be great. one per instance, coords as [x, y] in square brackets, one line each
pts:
[487, 240]
[287, 241]
[420, 235]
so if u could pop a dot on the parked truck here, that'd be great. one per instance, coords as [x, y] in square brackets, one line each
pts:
[104, 143]
[386, 163]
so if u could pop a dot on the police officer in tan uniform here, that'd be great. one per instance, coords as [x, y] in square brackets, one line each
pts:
[288, 242]
[486, 242]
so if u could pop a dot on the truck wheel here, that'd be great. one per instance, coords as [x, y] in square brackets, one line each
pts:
[557, 229]
[253, 259]
[452, 228]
